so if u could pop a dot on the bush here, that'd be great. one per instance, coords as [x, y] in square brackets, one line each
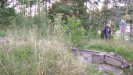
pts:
[40, 20]
[2, 33]
[74, 30]
[6, 16]
[23, 21]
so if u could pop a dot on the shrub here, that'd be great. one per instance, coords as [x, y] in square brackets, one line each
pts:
[2, 33]
[75, 31]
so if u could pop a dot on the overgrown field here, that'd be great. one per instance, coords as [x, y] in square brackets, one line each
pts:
[45, 49]
[29, 53]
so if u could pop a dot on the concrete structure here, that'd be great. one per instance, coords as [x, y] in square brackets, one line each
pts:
[107, 62]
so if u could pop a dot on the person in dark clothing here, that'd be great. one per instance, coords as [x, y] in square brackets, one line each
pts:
[107, 32]
[131, 31]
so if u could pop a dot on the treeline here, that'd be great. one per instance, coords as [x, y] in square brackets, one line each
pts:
[78, 17]
[86, 10]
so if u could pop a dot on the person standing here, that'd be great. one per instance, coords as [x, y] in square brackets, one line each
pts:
[107, 31]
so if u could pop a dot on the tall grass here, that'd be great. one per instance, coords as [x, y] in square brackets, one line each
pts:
[26, 54]
[35, 48]
[125, 49]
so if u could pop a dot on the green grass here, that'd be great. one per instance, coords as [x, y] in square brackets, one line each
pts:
[2, 33]
[125, 49]
[19, 60]
[25, 54]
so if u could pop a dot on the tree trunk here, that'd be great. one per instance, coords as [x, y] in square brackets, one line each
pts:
[38, 9]
[30, 10]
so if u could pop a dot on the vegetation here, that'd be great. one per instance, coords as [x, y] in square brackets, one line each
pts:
[35, 56]
[122, 48]
[40, 36]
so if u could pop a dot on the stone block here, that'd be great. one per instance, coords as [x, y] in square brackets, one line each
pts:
[110, 69]
[97, 58]
[112, 61]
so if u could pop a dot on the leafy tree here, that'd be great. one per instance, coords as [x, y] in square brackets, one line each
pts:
[28, 3]
[6, 15]
[58, 8]
[3, 3]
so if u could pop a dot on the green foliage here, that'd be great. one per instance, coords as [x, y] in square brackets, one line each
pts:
[106, 15]
[7, 12]
[22, 54]
[2, 33]
[19, 20]
[35, 56]
[78, 6]
[93, 71]
[23, 21]
[61, 8]
[3, 3]
[128, 71]
[21, 59]
[28, 2]
[7, 15]
[40, 20]
[17, 61]
[75, 30]
[123, 49]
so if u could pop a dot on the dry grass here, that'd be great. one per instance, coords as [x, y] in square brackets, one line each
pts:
[25, 54]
